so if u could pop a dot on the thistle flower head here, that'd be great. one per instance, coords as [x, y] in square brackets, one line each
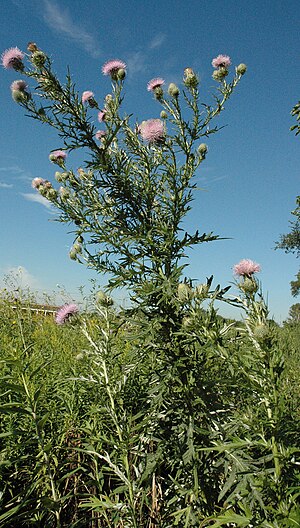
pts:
[65, 313]
[58, 157]
[86, 96]
[152, 130]
[101, 116]
[155, 83]
[37, 182]
[12, 58]
[112, 67]
[246, 267]
[18, 85]
[100, 134]
[221, 61]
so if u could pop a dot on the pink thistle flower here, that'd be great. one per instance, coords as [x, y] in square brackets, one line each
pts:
[37, 182]
[65, 313]
[221, 61]
[155, 83]
[12, 59]
[246, 267]
[100, 134]
[101, 116]
[86, 96]
[18, 85]
[152, 130]
[58, 156]
[111, 67]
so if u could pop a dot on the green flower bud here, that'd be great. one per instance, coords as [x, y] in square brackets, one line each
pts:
[121, 74]
[220, 74]
[77, 247]
[261, 331]
[51, 194]
[64, 193]
[187, 322]
[163, 114]
[184, 292]
[190, 79]
[20, 96]
[104, 299]
[158, 92]
[202, 149]
[38, 59]
[73, 254]
[241, 69]
[58, 176]
[201, 290]
[173, 90]
[248, 285]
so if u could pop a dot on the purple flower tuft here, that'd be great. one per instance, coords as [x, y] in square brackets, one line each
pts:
[101, 115]
[37, 182]
[100, 134]
[155, 83]
[152, 130]
[246, 267]
[111, 67]
[221, 61]
[65, 313]
[58, 156]
[12, 59]
[18, 85]
[86, 96]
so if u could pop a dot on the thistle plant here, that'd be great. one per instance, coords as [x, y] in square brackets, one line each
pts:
[128, 202]
[181, 422]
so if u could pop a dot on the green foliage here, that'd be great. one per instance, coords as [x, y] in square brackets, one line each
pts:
[164, 414]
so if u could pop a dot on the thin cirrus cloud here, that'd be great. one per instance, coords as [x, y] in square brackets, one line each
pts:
[5, 185]
[60, 21]
[35, 197]
[157, 41]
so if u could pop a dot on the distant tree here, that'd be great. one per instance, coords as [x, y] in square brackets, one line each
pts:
[296, 112]
[290, 243]
[294, 314]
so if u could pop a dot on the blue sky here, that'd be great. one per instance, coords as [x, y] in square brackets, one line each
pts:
[251, 174]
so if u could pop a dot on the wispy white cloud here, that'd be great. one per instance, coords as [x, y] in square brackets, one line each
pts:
[136, 62]
[157, 41]
[6, 185]
[34, 197]
[12, 169]
[16, 277]
[60, 21]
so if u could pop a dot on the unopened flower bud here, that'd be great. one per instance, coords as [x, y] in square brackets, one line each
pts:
[248, 285]
[163, 114]
[72, 254]
[51, 194]
[58, 176]
[104, 299]
[121, 74]
[19, 96]
[158, 92]
[38, 59]
[202, 149]
[31, 46]
[173, 90]
[261, 331]
[190, 79]
[241, 69]
[220, 74]
[77, 247]
[201, 290]
[64, 193]
[184, 292]
[108, 99]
